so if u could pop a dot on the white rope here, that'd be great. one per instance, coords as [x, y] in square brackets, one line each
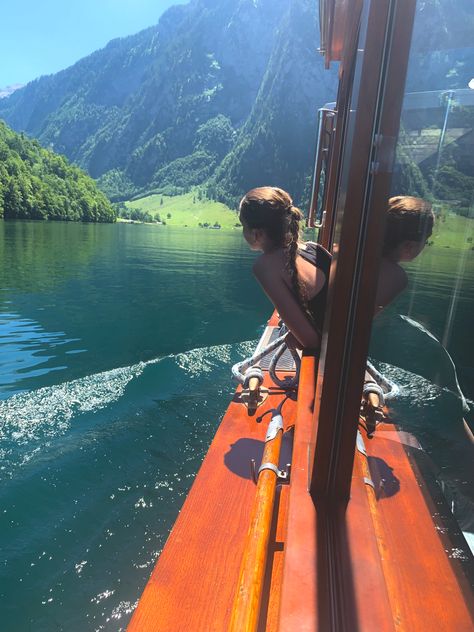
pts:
[373, 387]
[247, 369]
[391, 390]
[243, 371]
[238, 370]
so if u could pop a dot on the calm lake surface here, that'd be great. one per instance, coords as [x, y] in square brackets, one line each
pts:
[116, 343]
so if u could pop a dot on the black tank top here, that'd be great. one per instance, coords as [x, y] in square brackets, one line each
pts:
[321, 259]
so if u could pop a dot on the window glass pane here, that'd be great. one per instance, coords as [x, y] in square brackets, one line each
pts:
[423, 340]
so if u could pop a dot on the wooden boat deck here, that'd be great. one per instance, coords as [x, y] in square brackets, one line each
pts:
[392, 553]
[193, 584]
[392, 564]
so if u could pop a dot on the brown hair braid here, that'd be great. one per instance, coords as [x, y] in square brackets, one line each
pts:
[272, 210]
[291, 252]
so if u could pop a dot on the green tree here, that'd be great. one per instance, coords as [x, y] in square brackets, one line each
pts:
[37, 184]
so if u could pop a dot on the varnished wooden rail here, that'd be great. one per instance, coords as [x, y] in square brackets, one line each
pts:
[246, 606]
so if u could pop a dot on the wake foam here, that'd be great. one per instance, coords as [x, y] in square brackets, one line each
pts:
[412, 387]
[204, 360]
[46, 411]
[29, 420]
[428, 333]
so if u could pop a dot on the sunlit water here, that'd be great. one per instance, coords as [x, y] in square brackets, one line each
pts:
[116, 344]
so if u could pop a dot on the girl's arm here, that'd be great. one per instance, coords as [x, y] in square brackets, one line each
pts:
[286, 304]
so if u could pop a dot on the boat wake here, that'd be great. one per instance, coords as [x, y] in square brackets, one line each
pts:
[49, 410]
[30, 419]
[427, 333]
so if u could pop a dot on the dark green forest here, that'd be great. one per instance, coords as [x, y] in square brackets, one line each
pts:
[38, 184]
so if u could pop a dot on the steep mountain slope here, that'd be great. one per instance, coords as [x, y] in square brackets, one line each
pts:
[137, 104]
[222, 93]
[161, 109]
[276, 144]
[442, 55]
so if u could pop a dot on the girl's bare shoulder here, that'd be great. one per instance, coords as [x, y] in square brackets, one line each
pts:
[270, 262]
[391, 272]
[391, 282]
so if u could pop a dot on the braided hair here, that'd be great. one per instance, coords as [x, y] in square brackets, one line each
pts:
[271, 209]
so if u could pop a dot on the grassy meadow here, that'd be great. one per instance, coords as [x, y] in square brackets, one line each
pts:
[186, 210]
[453, 231]
[450, 230]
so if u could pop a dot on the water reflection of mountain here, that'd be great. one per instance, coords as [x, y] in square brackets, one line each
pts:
[116, 295]
[37, 256]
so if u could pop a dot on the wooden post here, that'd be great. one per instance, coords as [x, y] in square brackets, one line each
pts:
[254, 394]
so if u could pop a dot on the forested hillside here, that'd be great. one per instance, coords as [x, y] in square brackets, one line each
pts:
[160, 110]
[222, 94]
[276, 143]
[37, 184]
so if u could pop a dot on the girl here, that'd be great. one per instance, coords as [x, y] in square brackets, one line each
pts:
[294, 275]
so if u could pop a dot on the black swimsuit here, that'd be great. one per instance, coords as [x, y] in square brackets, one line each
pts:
[321, 259]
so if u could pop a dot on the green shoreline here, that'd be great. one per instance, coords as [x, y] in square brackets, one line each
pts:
[187, 211]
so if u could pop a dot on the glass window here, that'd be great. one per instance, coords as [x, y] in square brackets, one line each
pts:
[423, 340]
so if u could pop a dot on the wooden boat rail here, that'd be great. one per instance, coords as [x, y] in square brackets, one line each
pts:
[391, 557]
[246, 608]
[193, 584]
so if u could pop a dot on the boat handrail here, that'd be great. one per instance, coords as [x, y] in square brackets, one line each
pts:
[248, 596]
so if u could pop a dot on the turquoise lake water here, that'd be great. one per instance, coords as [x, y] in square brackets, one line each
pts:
[116, 344]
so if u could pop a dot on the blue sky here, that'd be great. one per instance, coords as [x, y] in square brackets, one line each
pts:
[39, 37]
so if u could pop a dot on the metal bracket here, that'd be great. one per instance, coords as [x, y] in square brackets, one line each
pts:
[360, 444]
[283, 476]
[369, 481]
[275, 425]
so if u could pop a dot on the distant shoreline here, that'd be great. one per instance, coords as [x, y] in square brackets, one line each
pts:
[450, 231]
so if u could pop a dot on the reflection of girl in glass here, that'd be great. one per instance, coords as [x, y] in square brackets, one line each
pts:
[409, 224]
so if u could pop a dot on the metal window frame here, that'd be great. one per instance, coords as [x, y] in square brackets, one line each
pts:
[326, 130]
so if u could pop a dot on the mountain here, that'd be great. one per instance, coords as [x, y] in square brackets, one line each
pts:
[37, 184]
[221, 94]
[276, 144]
[8, 90]
[163, 108]
[442, 55]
